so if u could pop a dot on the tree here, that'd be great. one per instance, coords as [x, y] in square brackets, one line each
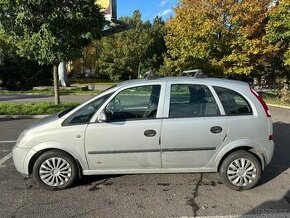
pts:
[278, 28]
[218, 36]
[278, 34]
[51, 31]
[127, 54]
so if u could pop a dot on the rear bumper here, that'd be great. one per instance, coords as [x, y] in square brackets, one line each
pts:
[269, 148]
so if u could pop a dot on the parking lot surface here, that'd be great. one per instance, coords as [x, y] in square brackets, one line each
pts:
[150, 195]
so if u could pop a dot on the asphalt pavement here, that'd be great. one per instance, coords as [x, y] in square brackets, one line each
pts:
[150, 195]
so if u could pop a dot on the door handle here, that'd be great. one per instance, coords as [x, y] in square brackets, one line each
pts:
[150, 133]
[216, 129]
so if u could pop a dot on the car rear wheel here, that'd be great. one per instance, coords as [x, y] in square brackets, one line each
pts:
[240, 171]
[55, 170]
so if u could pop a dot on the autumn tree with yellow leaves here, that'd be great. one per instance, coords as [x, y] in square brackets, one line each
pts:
[219, 37]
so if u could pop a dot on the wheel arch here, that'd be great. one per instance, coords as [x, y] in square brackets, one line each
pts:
[39, 153]
[38, 150]
[260, 157]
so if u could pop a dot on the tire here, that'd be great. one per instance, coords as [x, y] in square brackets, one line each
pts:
[55, 170]
[240, 171]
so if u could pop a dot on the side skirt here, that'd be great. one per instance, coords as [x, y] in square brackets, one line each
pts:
[150, 171]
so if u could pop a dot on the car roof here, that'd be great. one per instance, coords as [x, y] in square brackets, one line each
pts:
[212, 81]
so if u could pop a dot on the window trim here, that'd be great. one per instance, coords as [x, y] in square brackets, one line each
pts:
[240, 94]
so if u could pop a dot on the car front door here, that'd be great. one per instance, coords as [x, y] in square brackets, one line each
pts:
[129, 138]
[194, 127]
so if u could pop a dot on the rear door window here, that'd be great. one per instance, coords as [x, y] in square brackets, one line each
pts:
[234, 103]
[191, 100]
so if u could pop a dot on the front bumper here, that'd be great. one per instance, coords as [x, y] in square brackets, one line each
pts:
[19, 155]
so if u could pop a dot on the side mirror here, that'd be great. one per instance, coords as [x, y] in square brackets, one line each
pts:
[101, 118]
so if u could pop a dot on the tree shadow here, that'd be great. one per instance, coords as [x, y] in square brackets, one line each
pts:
[274, 208]
[281, 158]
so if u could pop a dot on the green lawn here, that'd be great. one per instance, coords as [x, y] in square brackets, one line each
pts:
[272, 98]
[33, 108]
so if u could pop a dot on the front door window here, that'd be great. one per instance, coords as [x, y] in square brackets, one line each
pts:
[134, 104]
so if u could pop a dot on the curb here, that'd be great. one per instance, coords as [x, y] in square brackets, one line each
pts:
[279, 106]
[14, 117]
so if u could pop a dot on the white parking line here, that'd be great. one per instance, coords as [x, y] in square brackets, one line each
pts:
[4, 159]
[7, 141]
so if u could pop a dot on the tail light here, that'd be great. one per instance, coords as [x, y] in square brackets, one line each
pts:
[266, 109]
[270, 137]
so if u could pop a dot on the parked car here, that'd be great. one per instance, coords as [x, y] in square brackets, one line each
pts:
[166, 125]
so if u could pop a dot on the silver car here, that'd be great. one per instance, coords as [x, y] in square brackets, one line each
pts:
[166, 125]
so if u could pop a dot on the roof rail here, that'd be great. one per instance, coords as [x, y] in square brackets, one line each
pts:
[197, 73]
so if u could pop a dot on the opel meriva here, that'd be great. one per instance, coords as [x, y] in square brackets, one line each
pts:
[166, 125]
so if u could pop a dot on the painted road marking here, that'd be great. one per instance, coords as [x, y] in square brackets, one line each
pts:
[4, 159]
[8, 141]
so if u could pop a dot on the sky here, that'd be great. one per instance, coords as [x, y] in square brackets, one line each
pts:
[149, 8]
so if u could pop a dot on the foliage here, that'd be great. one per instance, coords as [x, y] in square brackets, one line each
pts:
[50, 31]
[218, 36]
[18, 73]
[278, 29]
[33, 108]
[123, 55]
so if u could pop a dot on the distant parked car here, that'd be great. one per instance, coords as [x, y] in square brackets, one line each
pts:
[166, 125]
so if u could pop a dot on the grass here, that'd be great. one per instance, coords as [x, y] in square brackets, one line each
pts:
[277, 102]
[271, 97]
[33, 108]
[90, 81]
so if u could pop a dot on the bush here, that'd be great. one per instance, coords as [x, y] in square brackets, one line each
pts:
[21, 74]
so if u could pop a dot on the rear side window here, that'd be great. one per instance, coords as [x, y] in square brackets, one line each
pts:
[234, 103]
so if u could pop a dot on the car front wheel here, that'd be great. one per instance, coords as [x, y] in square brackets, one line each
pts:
[240, 171]
[55, 170]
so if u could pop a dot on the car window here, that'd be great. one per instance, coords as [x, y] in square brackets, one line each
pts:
[85, 114]
[189, 100]
[234, 103]
[134, 103]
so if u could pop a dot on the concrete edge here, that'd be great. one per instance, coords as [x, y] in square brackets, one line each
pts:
[11, 117]
[279, 106]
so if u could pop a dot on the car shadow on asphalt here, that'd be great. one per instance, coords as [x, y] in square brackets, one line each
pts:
[281, 158]
[95, 182]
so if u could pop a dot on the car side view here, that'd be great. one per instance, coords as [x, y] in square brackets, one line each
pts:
[165, 125]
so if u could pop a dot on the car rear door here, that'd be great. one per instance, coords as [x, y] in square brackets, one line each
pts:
[193, 128]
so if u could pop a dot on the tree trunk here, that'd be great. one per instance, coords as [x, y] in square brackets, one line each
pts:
[55, 83]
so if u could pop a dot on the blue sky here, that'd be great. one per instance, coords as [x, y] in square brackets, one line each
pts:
[149, 8]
